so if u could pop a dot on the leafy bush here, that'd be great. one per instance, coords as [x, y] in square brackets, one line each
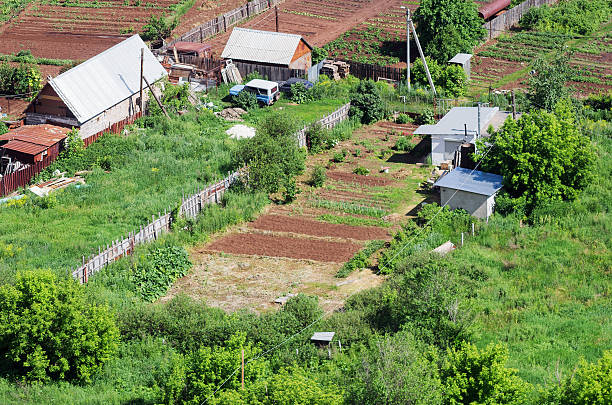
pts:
[291, 191]
[157, 268]
[404, 144]
[547, 84]
[21, 79]
[361, 171]
[318, 176]
[246, 100]
[568, 17]
[318, 138]
[589, 384]
[366, 103]
[273, 155]
[3, 128]
[403, 119]
[252, 76]
[426, 117]
[319, 54]
[449, 79]
[300, 94]
[49, 330]
[543, 156]
[339, 157]
[471, 376]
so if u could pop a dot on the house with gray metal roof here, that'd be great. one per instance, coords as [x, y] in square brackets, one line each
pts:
[99, 92]
[471, 190]
[268, 48]
[460, 125]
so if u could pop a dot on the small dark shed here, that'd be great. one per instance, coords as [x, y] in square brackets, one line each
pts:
[322, 338]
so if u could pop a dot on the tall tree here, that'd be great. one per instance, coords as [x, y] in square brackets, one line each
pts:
[447, 27]
[547, 81]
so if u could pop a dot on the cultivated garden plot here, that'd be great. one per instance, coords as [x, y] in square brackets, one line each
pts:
[300, 247]
[81, 29]
[317, 21]
[504, 63]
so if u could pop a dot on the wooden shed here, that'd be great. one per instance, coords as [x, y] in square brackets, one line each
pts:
[268, 48]
[31, 143]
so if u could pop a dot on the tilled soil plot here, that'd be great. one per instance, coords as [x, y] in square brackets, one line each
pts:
[284, 246]
[281, 223]
[372, 181]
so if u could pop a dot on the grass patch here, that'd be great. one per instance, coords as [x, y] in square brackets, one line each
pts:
[349, 207]
[353, 221]
[361, 259]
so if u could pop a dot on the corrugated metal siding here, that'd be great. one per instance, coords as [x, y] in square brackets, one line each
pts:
[24, 147]
[261, 46]
[106, 79]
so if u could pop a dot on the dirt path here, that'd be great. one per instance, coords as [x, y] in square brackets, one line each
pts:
[298, 248]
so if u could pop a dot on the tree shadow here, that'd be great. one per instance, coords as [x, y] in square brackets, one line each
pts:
[418, 154]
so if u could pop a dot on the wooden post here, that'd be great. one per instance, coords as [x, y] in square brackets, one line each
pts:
[276, 12]
[141, 75]
[242, 368]
[472, 229]
[513, 106]
[156, 98]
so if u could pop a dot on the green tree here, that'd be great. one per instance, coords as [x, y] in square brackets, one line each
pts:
[395, 370]
[472, 376]
[158, 28]
[590, 384]
[49, 330]
[547, 82]
[366, 103]
[542, 156]
[273, 155]
[447, 27]
[20, 79]
[450, 79]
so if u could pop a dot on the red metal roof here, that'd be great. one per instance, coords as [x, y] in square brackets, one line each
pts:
[191, 47]
[45, 134]
[490, 9]
[25, 147]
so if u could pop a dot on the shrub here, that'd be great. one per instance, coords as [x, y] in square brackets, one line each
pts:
[366, 103]
[245, 100]
[471, 376]
[49, 330]
[20, 79]
[300, 94]
[157, 268]
[291, 191]
[361, 171]
[3, 128]
[404, 144]
[318, 137]
[426, 117]
[361, 259]
[590, 383]
[338, 157]
[318, 176]
[319, 54]
[403, 119]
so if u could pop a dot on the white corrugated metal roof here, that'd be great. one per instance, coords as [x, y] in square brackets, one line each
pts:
[106, 79]
[262, 84]
[323, 336]
[473, 181]
[461, 58]
[261, 46]
[453, 123]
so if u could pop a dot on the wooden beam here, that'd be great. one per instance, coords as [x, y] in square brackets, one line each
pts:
[156, 98]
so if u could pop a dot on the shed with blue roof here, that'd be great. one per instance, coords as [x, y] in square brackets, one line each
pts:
[472, 190]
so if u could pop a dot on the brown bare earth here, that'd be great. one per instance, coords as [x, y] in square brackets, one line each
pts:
[318, 21]
[281, 223]
[285, 246]
[253, 282]
[371, 181]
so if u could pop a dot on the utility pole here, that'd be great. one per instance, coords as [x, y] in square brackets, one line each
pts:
[141, 74]
[478, 129]
[416, 38]
[276, 12]
[407, 45]
[513, 106]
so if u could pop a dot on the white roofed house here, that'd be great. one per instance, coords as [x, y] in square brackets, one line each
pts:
[99, 92]
[459, 126]
[268, 48]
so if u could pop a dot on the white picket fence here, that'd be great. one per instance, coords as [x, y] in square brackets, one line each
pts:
[191, 206]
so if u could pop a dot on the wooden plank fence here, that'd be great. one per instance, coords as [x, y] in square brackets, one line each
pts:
[375, 72]
[191, 206]
[273, 73]
[21, 178]
[501, 23]
[329, 121]
[225, 21]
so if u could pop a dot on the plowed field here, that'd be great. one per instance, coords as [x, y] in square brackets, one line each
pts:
[319, 21]
[281, 223]
[285, 246]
